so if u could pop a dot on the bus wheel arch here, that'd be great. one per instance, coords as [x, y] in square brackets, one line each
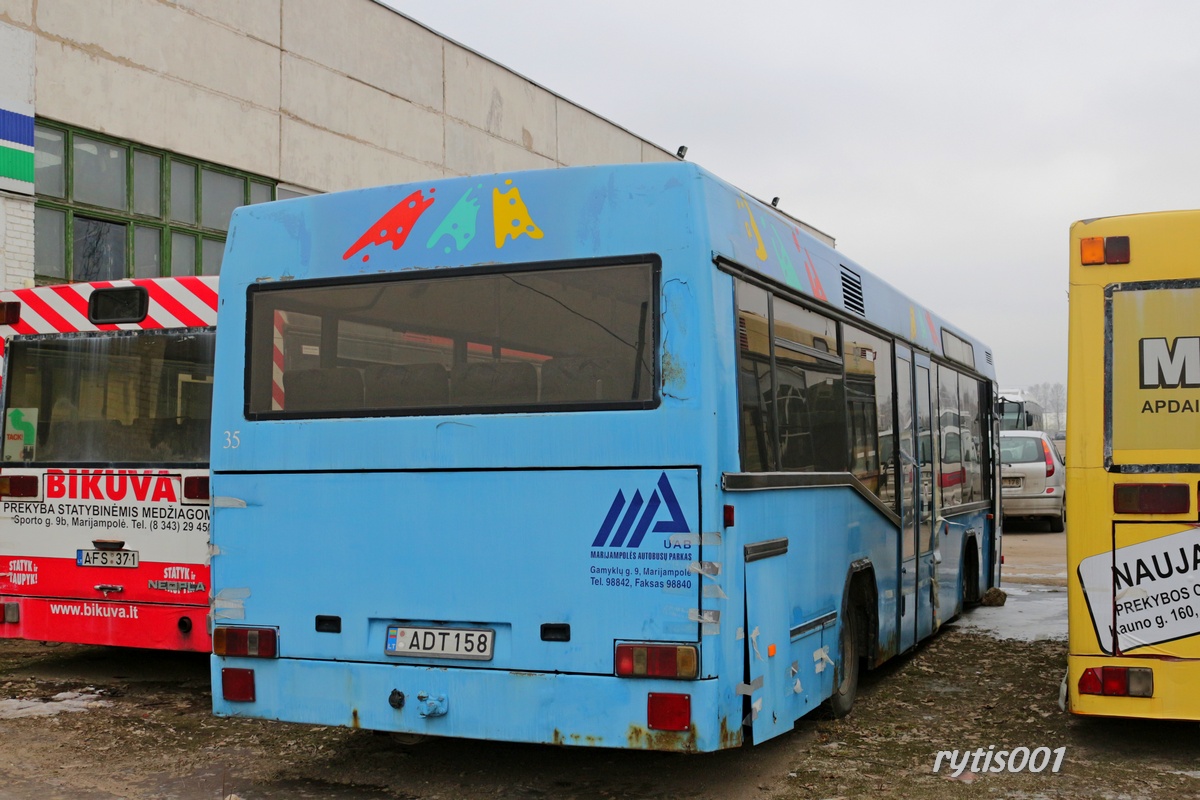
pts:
[970, 571]
[857, 637]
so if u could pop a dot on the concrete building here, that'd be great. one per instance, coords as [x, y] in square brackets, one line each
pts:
[129, 130]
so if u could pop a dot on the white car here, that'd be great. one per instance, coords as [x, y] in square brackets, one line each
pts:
[1032, 478]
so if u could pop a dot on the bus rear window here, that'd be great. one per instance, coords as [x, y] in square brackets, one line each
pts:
[530, 340]
[135, 397]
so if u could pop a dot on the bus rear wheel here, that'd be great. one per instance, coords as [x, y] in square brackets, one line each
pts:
[846, 689]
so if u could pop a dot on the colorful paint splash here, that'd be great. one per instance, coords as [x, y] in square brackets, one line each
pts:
[933, 330]
[459, 224]
[511, 217]
[394, 226]
[810, 269]
[752, 233]
[785, 263]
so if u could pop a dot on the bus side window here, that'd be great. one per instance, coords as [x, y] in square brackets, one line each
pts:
[580, 379]
[329, 389]
[411, 386]
[491, 383]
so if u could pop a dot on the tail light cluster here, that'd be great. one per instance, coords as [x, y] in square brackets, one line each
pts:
[1104, 250]
[1152, 498]
[195, 487]
[1117, 681]
[665, 711]
[18, 485]
[237, 683]
[245, 642]
[1049, 458]
[657, 661]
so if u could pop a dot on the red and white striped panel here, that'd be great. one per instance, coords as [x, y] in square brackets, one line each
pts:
[277, 400]
[174, 303]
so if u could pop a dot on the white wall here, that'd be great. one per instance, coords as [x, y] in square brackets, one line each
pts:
[325, 94]
[16, 96]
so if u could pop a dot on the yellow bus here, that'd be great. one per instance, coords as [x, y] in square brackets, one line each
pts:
[1133, 466]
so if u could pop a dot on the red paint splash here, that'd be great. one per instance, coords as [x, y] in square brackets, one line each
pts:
[810, 269]
[933, 331]
[394, 226]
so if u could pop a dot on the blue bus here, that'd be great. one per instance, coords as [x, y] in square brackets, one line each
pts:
[610, 456]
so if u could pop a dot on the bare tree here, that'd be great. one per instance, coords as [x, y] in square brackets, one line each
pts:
[1056, 401]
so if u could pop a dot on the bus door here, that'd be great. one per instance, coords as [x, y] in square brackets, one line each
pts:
[909, 475]
[926, 579]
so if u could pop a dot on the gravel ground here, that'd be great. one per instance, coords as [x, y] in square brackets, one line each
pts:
[135, 724]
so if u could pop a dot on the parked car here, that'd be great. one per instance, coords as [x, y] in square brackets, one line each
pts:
[1032, 478]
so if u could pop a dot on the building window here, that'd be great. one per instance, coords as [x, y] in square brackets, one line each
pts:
[110, 209]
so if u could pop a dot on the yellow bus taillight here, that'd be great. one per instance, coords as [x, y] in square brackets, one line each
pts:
[1151, 498]
[1117, 681]
[1104, 250]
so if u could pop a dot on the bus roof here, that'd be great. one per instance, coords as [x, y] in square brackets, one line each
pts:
[567, 214]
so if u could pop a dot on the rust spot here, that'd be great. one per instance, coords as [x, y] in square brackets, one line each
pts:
[673, 375]
[730, 737]
[640, 738]
[888, 648]
[577, 739]
[354, 722]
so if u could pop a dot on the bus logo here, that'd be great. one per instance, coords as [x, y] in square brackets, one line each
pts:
[1173, 366]
[637, 520]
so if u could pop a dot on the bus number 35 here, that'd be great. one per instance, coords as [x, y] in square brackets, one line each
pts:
[232, 440]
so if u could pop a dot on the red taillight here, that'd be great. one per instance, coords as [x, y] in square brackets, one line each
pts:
[1151, 498]
[1117, 681]
[237, 685]
[668, 712]
[1090, 683]
[195, 487]
[656, 661]
[249, 642]
[1114, 681]
[18, 485]
[1049, 458]
[10, 312]
[728, 516]
[1116, 250]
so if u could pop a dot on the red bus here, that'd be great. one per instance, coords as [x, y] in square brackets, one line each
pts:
[104, 508]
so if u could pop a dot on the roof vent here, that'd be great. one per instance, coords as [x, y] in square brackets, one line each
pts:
[988, 355]
[852, 292]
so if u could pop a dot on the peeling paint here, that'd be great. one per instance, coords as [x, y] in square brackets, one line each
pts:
[730, 737]
[641, 738]
[576, 739]
[674, 377]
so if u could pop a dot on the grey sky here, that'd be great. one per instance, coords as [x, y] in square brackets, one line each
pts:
[947, 146]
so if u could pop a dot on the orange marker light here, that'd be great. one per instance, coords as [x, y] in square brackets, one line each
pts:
[770, 650]
[1091, 250]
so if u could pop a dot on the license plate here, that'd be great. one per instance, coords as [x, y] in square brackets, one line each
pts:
[1010, 483]
[472, 643]
[106, 558]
